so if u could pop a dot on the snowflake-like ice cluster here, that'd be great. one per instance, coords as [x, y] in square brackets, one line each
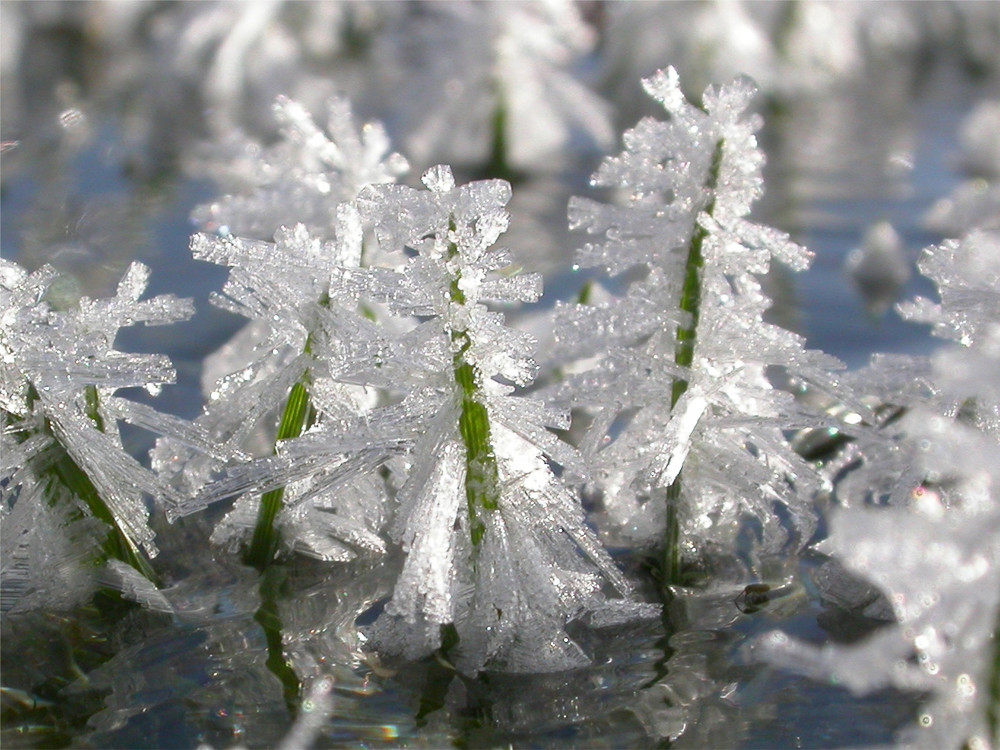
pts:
[63, 462]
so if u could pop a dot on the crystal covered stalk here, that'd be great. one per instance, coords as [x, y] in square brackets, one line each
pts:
[273, 370]
[689, 334]
[481, 479]
[265, 542]
[63, 463]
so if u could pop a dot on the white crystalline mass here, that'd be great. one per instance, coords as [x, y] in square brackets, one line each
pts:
[298, 192]
[59, 372]
[300, 179]
[966, 272]
[943, 578]
[284, 287]
[935, 553]
[537, 565]
[495, 544]
[691, 181]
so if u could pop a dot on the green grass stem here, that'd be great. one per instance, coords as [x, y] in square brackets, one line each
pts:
[481, 475]
[686, 341]
[265, 541]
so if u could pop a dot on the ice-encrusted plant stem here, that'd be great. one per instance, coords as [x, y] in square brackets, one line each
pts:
[686, 337]
[65, 470]
[481, 475]
[294, 420]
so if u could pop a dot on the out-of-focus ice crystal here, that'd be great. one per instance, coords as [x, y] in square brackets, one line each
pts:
[935, 553]
[300, 179]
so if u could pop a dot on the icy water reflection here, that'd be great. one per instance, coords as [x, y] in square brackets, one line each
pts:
[74, 195]
[199, 677]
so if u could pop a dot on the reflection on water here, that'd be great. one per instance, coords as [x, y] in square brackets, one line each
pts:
[200, 678]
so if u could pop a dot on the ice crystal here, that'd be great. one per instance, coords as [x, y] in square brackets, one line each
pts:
[298, 191]
[879, 268]
[686, 353]
[935, 554]
[302, 178]
[63, 459]
[496, 545]
[284, 288]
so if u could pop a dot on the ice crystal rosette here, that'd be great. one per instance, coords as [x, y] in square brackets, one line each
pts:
[70, 490]
[496, 545]
[682, 380]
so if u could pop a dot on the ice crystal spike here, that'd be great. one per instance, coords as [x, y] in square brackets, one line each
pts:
[63, 466]
[687, 353]
[303, 177]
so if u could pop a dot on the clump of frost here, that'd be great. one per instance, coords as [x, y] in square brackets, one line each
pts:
[68, 486]
[935, 554]
[285, 288]
[496, 544]
[790, 49]
[680, 384]
[296, 192]
[879, 268]
[301, 178]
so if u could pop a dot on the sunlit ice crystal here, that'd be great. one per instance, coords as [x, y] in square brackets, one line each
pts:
[940, 574]
[60, 371]
[300, 179]
[283, 287]
[496, 545]
[679, 387]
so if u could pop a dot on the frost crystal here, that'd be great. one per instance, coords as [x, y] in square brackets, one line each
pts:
[63, 460]
[684, 377]
[299, 191]
[935, 554]
[300, 179]
[496, 544]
